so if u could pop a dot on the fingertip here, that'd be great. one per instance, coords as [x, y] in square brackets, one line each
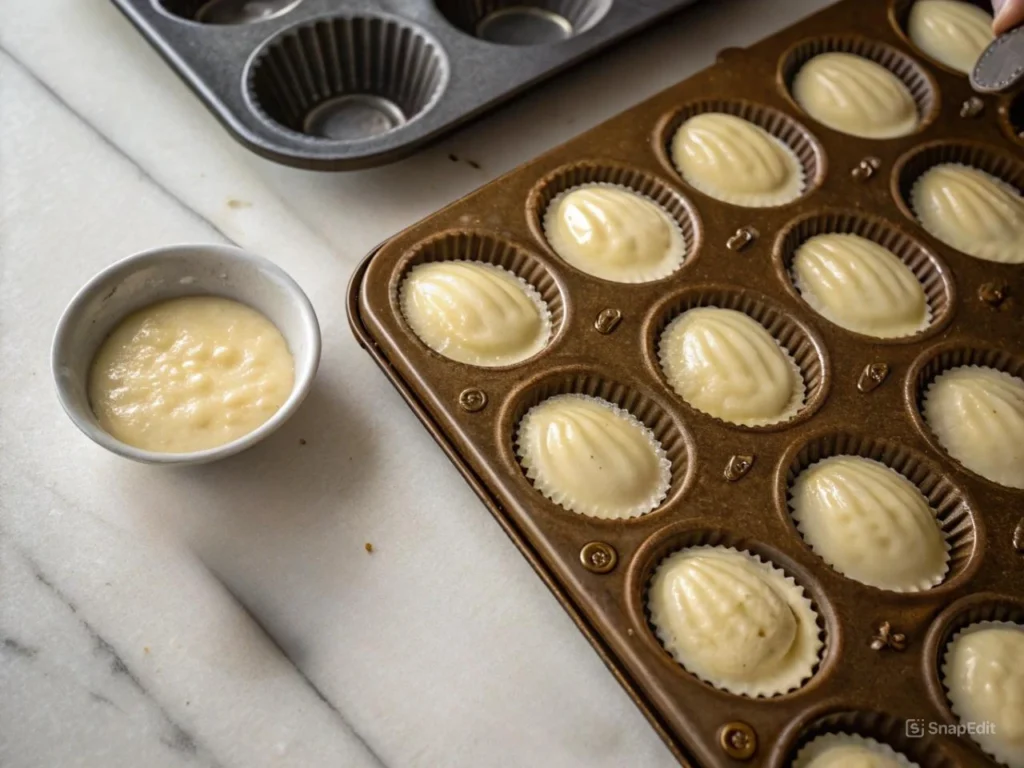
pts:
[1008, 14]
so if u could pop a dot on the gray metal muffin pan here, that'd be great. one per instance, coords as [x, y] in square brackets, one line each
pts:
[346, 84]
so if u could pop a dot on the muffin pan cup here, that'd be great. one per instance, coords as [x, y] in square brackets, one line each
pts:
[730, 483]
[345, 84]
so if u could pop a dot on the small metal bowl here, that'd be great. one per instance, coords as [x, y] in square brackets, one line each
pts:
[169, 273]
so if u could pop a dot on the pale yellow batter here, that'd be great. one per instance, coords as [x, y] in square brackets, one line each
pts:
[725, 363]
[189, 374]
[972, 211]
[734, 621]
[733, 160]
[859, 285]
[984, 675]
[870, 523]
[954, 32]
[977, 413]
[614, 233]
[592, 457]
[475, 313]
[854, 95]
[844, 750]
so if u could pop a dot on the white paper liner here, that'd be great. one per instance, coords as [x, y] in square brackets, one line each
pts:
[820, 746]
[953, 33]
[926, 582]
[541, 341]
[671, 261]
[563, 497]
[804, 655]
[989, 742]
[793, 407]
[794, 189]
[808, 294]
[853, 71]
[942, 426]
[1010, 252]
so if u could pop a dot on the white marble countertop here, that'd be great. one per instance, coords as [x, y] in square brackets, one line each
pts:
[229, 615]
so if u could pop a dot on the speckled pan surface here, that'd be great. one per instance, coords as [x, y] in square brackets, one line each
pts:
[730, 484]
[346, 84]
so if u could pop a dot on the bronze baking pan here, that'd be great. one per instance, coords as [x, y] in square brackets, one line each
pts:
[878, 672]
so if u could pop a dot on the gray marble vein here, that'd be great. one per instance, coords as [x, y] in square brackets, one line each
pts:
[107, 141]
[177, 738]
[345, 723]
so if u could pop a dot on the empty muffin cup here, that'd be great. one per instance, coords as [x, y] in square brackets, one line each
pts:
[228, 11]
[347, 78]
[523, 22]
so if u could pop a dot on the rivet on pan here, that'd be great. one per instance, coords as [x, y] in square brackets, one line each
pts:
[738, 740]
[472, 399]
[872, 376]
[973, 107]
[1018, 537]
[744, 236]
[738, 466]
[598, 557]
[993, 294]
[866, 168]
[607, 320]
[886, 638]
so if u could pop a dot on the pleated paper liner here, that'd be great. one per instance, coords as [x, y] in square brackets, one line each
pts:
[658, 191]
[920, 84]
[347, 78]
[1000, 163]
[794, 136]
[943, 357]
[669, 432]
[800, 344]
[899, 15]
[953, 511]
[484, 247]
[524, 22]
[877, 726]
[939, 286]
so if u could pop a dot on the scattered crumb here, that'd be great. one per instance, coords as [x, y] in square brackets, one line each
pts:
[302, 441]
[369, 548]
[471, 163]
[233, 203]
[629, 631]
[145, 649]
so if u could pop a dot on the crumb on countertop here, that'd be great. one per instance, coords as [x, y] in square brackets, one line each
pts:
[369, 548]
[471, 163]
[233, 203]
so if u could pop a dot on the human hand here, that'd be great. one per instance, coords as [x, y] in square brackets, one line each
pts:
[1008, 14]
